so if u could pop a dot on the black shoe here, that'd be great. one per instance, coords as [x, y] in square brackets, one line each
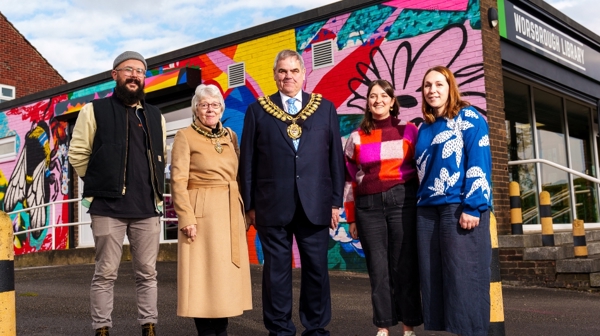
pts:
[149, 329]
[102, 331]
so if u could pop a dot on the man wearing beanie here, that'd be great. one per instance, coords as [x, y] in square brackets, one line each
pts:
[118, 149]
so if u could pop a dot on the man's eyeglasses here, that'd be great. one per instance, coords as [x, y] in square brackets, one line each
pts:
[139, 72]
[204, 106]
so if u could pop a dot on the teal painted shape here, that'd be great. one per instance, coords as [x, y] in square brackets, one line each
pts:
[349, 123]
[93, 89]
[362, 24]
[415, 22]
[474, 14]
[6, 132]
[305, 34]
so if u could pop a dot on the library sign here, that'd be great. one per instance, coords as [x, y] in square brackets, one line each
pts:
[538, 36]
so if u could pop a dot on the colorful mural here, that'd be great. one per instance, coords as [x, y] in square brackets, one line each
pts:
[396, 40]
[39, 174]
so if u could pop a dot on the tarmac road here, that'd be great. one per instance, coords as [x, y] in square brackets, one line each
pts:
[55, 301]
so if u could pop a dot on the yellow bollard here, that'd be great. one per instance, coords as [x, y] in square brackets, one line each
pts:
[516, 213]
[8, 321]
[579, 244]
[546, 219]
[496, 304]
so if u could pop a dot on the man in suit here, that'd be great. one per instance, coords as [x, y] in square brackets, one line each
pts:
[292, 173]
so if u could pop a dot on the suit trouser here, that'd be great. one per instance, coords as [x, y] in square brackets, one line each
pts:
[387, 229]
[315, 298]
[143, 235]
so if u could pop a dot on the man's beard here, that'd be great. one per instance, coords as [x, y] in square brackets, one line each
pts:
[127, 96]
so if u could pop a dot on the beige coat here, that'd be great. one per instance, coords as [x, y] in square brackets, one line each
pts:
[205, 192]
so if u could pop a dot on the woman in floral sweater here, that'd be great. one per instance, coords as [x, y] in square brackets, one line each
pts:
[380, 202]
[453, 217]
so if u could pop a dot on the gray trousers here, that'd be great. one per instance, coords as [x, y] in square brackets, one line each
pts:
[144, 236]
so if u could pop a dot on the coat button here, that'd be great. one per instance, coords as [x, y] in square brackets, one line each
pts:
[297, 177]
[297, 156]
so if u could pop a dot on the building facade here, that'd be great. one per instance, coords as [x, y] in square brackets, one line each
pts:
[534, 104]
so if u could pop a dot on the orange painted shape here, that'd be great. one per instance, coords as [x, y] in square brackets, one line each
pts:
[229, 51]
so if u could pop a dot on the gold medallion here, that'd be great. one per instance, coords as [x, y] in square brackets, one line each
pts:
[213, 138]
[294, 131]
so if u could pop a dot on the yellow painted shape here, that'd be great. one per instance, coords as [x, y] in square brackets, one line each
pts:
[493, 230]
[513, 189]
[222, 80]
[578, 229]
[259, 55]
[8, 320]
[165, 84]
[516, 216]
[580, 251]
[496, 304]
[544, 198]
[6, 238]
[547, 228]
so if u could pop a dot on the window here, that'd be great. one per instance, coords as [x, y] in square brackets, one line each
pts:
[322, 53]
[8, 148]
[7, 92]
[236, 74]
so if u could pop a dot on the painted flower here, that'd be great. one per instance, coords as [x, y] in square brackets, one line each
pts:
[405, 66]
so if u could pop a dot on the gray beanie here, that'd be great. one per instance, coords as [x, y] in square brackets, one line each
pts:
[127, 56]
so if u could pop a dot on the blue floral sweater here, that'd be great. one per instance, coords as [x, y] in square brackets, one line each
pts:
[454, 162]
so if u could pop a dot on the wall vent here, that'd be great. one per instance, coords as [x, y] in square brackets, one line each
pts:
[236, 75]
[322, 53]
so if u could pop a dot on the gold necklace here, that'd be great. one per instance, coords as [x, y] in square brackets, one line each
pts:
[214, 138]
[294, 129]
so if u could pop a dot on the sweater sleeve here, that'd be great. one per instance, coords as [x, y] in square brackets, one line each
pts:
[351, 170]
[477, 164]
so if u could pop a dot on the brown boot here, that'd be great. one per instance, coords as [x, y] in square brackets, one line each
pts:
[149, 329]
[102, 331]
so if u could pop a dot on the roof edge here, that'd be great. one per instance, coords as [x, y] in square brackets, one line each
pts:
[216, 43]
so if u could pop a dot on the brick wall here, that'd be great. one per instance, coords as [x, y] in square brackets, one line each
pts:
[21, 65]
[513, 269]
[495, 109]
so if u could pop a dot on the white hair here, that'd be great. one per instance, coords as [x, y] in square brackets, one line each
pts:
[209, 90]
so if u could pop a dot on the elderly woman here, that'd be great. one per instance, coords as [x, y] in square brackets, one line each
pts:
[213, 272]
[453, 212]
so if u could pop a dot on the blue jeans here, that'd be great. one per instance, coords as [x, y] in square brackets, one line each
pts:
[386, 224]
[455, 270]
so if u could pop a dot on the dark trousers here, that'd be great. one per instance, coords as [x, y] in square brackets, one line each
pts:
[211, 326]
[455, 270]
[315, 299]
[386, 224]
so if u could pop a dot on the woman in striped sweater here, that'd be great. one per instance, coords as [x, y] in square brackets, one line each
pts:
[380, 202]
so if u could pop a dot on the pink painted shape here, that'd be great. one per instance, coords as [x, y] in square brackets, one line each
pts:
[221, 61]
[439, 52]
[450, 5]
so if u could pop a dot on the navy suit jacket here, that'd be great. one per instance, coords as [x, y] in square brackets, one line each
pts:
[271, 169]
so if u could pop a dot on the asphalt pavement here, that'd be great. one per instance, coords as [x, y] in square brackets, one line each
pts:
[55, 301]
